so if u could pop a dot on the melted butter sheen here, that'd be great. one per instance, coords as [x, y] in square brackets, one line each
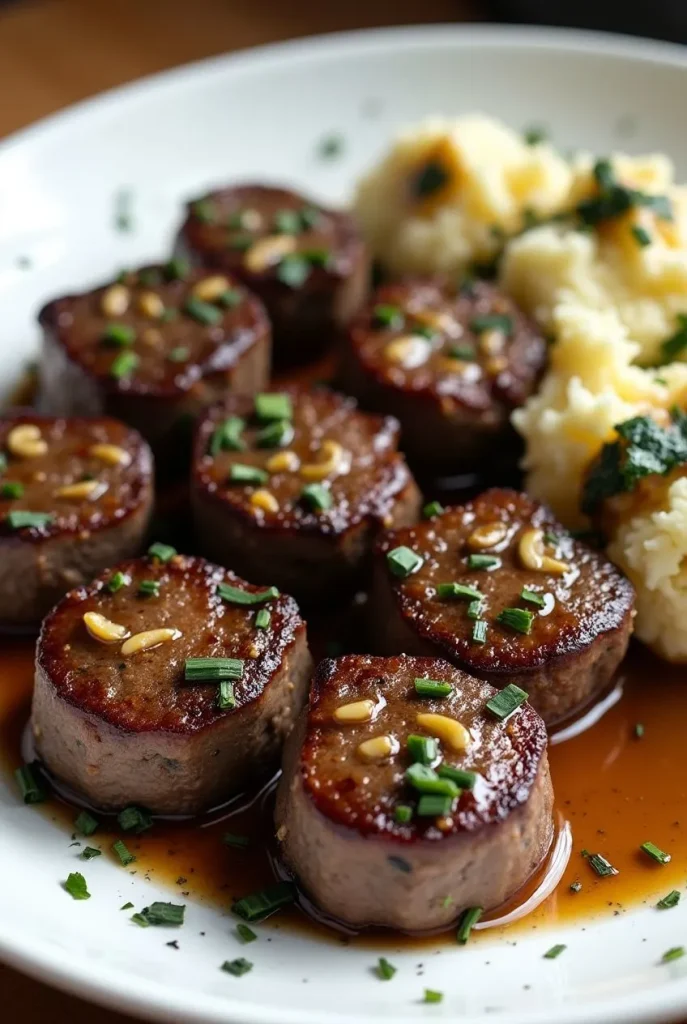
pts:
[617, 791]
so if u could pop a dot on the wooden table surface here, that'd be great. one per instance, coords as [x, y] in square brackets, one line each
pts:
[55, 52]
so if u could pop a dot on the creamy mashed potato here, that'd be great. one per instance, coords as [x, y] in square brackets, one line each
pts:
[449, 189]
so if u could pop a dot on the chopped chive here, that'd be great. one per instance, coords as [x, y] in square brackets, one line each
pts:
[204, 210]
[462, 778]
[140, 920]
[385, 970]
[576, 886]
[120, 848]
[179, 354]
[277, 434]
[163, 552]
[177, 269]
[403, 813]
[123, 218]
[639, 730]
[225, 695]
[263, 619]
[11, 489]
[231, 298]
[458, 591]
[533, 136]
[164, 913]
[483, 562]
[492, 322]
[237, 967]
[467, 922]
[599, 864]
[116, 581]
[506, 701]
[317, 496]
[434, 805]
[479, 631]
[22, 520]
[259, 905]
[89, 852]
[213, 669]
[432, 688]
[316, 257]
[242, 474]
[671, 900]
[236, 595]
[402, 562]
[123, 365]
[673, 954]
[287, 222]
[388, 316]
[235, 841]
[309, 217]
[656, 853]
[432, 995]
[29, 787]
[465, 353]
[432, 508]
[126, 906]
[640, 235]
[202, 312]
[532, 597]
[475, 609]
[270, 407]
[554, 952]
[517, 619]
[424, 780]
[423, 749]
[118, 335]
[227, 436]
[76, 886]
[149, 588]
[330, 146]
[134, 819]
[293, 270]
[85, 824]
[245, 933]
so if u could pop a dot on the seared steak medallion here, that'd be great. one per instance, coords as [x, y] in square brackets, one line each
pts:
[502, 590]
[294, 486]
[308, 264]
[169, 683]
[409, 794]
[75, 495]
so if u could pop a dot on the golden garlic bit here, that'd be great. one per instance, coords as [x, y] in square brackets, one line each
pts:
[264, 500]
[149, 639]
[378, 748]
[103, 629]
[111, 454]
[488, 535]
[151, 305]
[449, 730]
[356, 713]
[82, 490]
[211, 288]
[115, 300]
[283, 462]
[533, 555]
[268, 251]
[25, 441]
[492, 342]
[408, 351]
[335, 459]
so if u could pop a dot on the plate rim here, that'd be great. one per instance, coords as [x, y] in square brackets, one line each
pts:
[102, 984]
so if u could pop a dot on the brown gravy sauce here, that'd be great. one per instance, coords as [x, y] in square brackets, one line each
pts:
[614, 789]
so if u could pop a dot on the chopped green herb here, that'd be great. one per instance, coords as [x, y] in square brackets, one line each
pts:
[475, 608]
[317, 496]
[434, 805]
[424, 780]
[653, 851]
[462, 778]
[673, 346]
[483, 562]
[639, 730]
[225, 695]
[465, 353]
[119, 335]
[467, 922]
[231, 298]
[423, 749]
[236, 595]
[242, 474]
[203, 312]
[213, 669]
[163, 552]
[293, 270]
[275, 435]
[245, 933]
[506, 701]
[116, 581]
[385, 970]
[204, 210]
[492, 322]
[388, 316]
[263, 619]
[517, 619]
[237, 967]
[669, 901]
[599, 864]
[120, 848]
[576, 886]
[85, 824]
[458, 591]
[270, 407]
[89, 852]
[259, 905]
[11, 489]
[554, 952]
[615, 199]
[134, 819]
[227, 436]
[123, 218]
[403, 813]
[479, 631]
[177, 269]
[287, 222]
[309, 217]
[673, 954]
[123, 365]
[432, 995]
[423, 331]
[28, 520]
[76, 886]
[330, 146]
[432, 177]
[179, 355]
[164, 914]
[532, 597]
[29, 786]
[534, 135]
[240, 242]
[432, 688]
[235, 841]
[140, 920]
[126, 906]
[640, 235]
[402, 562]
[431, 509]
[149, 588]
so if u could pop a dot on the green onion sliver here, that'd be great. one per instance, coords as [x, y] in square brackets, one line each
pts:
[237, 967]
[76, 886]
[120, 848]
[270, 407]
[385, 970]
[226, 699]
[492, 322]
[213, 669]
[263, 619]
[483, 562]
[434, 805]
[164, 914]
[236, 595]
[89, 852]
[506, 701]
[517, 619]
[402, 562]
[116, 581]
[29, 786]
[149, 588]
[432, 688]
[245, 933]
[85, 824]
[532, 597]
[468, 920]
[676, 953]
[259, 905]
[425, 780]
[403, 813]
[123, 365]
[656, 853]
[134, 819]
[462, 778]
[21, 520]
[669, 901]
[458, 592]
[423, 749]
[202, 312]
[163, 552]
[432, 995]
[479, 631]
[227, 436]
[317, 496]
[554, 952]
[602, 867]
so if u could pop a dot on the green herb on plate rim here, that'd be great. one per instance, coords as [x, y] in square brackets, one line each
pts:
[140, 920]
[29, 787]
[116, 581]
[85, 824]
[554, 952]
[467, 922]
[385, 970]
[89, 852]
[149, 588]
[126, 906]
[331, 146]
[237, 967]
[202, 312]
[245, 933]
[261, 904]
[134, 819]
[164, 914]
[676, 953]
[463, 779]
[669, 901]
[76, 886]
[432, 995]
[122, 851]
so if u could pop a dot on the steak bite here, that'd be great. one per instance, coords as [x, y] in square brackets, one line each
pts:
[75, 495]
[308, 264]
[153, 348]
[405, 800]
[169, 683]
[451, 366]
[502, 590]
[294, 487]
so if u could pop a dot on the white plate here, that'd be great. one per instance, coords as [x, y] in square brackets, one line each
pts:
[262, 114]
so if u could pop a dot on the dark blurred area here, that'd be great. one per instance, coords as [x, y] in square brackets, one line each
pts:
[660, 19]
